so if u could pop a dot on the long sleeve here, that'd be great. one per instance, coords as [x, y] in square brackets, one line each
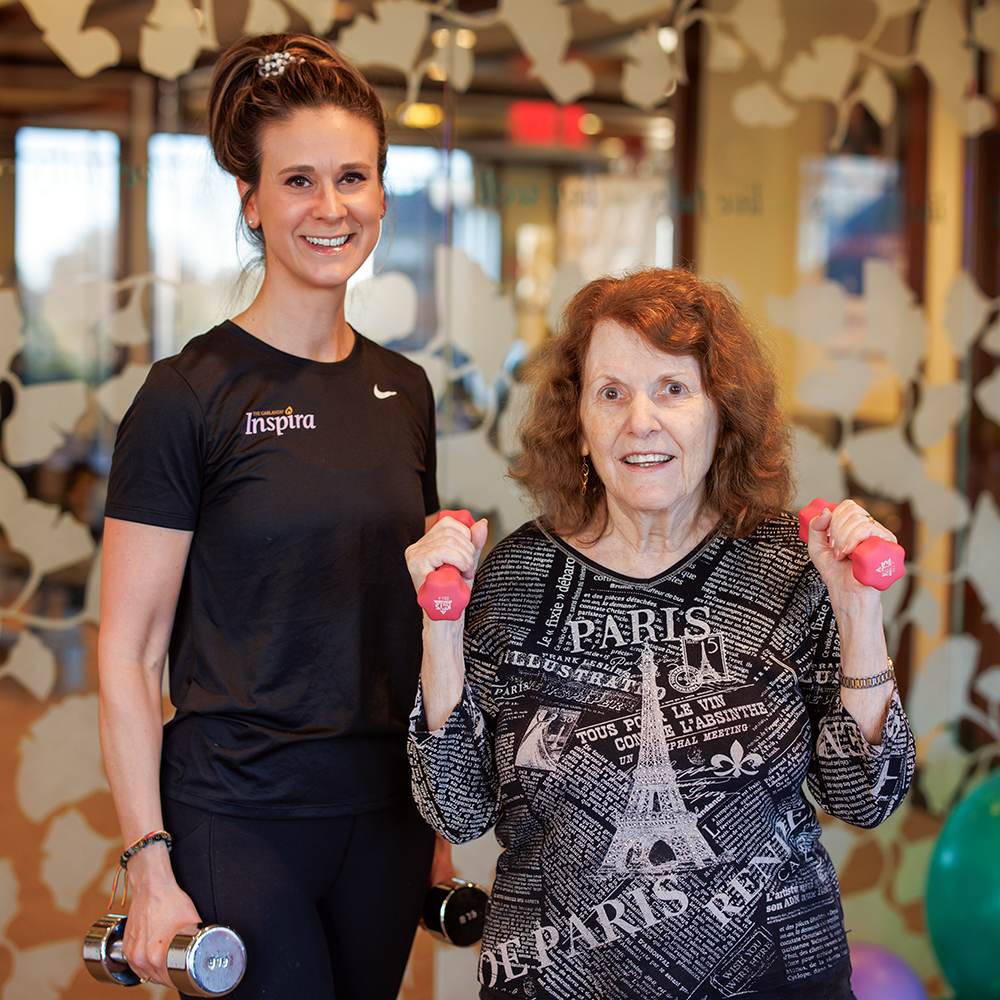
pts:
[453, 772]
[850, 778]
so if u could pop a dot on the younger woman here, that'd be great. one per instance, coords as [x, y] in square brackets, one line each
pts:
[266, 482]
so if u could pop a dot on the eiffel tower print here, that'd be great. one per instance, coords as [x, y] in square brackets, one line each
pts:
[657, 833]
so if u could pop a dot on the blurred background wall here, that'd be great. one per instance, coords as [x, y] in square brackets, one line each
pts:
[833, 161]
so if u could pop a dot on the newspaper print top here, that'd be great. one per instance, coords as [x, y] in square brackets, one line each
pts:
[642, 747]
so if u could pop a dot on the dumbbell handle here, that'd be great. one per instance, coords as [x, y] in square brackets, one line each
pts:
[445, 594]
[876, 562]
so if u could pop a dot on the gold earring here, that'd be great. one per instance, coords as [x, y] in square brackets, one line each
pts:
[584, 475]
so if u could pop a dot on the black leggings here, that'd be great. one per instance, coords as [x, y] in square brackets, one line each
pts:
[327, 907]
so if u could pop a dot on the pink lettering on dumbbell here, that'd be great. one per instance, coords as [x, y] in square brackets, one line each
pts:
[876, 562]
[445, 594]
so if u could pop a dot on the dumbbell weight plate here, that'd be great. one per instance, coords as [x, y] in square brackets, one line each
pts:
[207, 964]
[102, 952]
[455, 911]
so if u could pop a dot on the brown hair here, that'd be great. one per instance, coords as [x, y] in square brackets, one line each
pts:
[241, 102]
[750, 476]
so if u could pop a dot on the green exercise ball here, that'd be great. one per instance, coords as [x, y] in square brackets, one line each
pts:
[963, 894]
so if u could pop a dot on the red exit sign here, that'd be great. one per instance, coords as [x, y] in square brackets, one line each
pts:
[540, 123]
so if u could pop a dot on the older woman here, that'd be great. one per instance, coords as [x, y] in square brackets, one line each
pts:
[652, 668]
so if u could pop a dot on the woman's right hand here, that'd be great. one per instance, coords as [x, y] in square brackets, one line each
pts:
[143, 566]
[447, 542]
[442, 669]
[160, 910]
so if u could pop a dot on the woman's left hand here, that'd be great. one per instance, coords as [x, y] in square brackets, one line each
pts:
[833, 536]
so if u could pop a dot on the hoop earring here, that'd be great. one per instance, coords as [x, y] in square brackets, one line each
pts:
[584, 475]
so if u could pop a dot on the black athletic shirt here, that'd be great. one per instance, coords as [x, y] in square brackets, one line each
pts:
[296, 647]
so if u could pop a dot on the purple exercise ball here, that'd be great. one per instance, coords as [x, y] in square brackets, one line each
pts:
[880, 975]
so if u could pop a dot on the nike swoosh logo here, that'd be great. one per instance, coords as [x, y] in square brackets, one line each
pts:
[379, 394]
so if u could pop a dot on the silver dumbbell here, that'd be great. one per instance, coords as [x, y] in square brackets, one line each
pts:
[455, 911]
[206, 963]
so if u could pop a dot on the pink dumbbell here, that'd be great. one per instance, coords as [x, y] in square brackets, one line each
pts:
[876, 562]
[445, 594]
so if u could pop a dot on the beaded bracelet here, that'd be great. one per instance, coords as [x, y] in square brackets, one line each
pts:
[869, 682]
[150, 838]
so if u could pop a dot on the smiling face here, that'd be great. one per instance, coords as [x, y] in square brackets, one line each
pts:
[320, 201]
[648, 425]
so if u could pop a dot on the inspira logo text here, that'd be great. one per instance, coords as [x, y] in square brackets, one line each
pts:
[278, 421]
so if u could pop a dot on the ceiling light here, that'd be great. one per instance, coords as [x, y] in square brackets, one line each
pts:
[419, 115]
[668, 39]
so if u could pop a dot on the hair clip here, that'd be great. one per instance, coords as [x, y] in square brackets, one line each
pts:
[275, 63]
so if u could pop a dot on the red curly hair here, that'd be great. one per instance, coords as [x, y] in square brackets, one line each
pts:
[674, 311]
